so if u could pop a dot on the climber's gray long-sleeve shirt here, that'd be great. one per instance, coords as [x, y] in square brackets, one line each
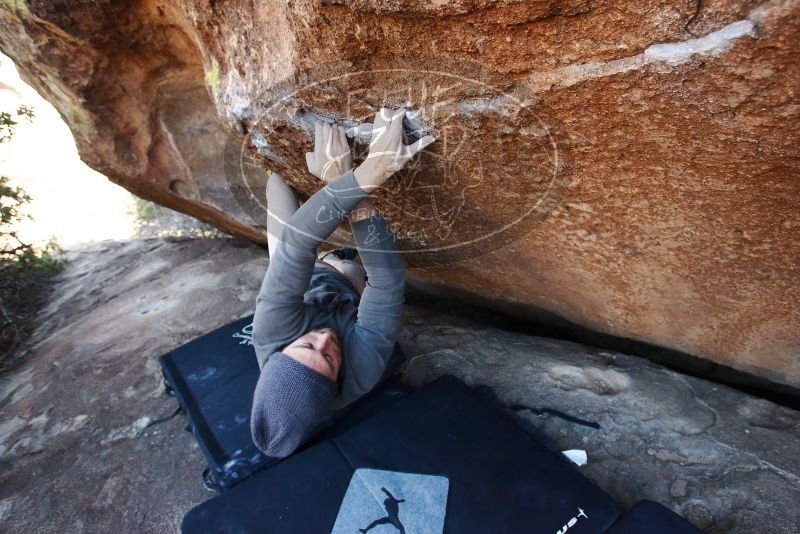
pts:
[288, 306]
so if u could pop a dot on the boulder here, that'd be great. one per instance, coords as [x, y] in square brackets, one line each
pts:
[725, 460]
[81, 449]
[631, 169]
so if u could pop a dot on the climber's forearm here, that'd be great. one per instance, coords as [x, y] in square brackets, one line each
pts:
[378, 250]
[382, 299]
[321, 214]
[279, 303]
[364, 210]
[381, 305]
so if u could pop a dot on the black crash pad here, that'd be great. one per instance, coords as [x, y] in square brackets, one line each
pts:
[496, 477]
[648, 517]
[213, 378]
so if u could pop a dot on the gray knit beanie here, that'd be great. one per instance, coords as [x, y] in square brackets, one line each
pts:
[288, 405]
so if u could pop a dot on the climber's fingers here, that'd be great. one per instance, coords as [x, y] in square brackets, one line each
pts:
[343, 140]
[333, 141]
[326, 139]
[318, 137]
[396, 126]
[380, 124]
[411, 150]
[336, 137]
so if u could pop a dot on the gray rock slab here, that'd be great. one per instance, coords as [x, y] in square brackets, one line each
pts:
[76, 454]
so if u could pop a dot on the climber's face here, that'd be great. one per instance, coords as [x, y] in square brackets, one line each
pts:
[319, 349]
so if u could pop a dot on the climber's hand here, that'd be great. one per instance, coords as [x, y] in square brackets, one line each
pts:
[331, 157]
[387, 153]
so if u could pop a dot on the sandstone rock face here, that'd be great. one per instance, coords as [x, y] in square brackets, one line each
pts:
[79, 453]
[630, 168]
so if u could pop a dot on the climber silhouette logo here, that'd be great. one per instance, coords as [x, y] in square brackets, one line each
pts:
[383, 502]
[392, 505]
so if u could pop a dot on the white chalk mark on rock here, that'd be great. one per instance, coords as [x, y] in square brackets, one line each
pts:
[714, 42]
[669, 53]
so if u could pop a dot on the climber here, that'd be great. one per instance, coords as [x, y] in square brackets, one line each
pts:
[322, 334]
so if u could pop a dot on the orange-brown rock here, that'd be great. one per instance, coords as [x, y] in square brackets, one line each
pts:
[629, 166]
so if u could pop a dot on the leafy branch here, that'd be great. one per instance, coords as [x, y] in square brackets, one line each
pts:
[26, 270]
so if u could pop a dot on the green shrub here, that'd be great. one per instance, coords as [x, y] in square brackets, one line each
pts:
[26, 269]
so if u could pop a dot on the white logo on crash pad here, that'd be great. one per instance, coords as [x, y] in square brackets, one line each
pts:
[384, 502]
[246, 335]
